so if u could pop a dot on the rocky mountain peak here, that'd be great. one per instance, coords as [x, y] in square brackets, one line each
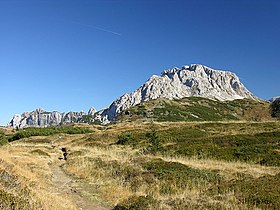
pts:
[39, 110]
[170, 72]
[176, 83]
[198, 68]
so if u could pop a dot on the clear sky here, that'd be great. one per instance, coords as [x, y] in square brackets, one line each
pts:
[69, 55]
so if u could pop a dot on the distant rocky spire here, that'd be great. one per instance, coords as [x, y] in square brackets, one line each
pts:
[91, 111]
[15, 122]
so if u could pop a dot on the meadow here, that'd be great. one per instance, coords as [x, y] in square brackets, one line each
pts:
[159, 165]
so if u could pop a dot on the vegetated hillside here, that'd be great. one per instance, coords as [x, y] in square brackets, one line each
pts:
[133, 165]
[198, 109]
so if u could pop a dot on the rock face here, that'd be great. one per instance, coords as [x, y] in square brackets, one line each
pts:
[15, 122]
[193, 80]
[41, 118]
[91, 111]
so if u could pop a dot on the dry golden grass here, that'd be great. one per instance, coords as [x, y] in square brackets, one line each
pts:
[111, 190]
[6, 130]
[33, 174]
[228, 168]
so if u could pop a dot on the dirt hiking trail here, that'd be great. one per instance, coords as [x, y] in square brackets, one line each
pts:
[72, 188]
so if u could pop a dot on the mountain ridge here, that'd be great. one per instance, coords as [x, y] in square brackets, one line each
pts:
[42, 118]
[194, 80]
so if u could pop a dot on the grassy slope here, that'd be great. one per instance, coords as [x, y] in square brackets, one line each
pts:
[197, 109]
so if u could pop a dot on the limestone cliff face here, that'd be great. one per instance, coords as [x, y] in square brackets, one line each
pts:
[41, 118]
[91, 111]
[193, 80]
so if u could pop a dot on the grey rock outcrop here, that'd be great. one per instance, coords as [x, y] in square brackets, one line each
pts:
[15, 122]
[193, 80]
[41, 118]
[92, 111]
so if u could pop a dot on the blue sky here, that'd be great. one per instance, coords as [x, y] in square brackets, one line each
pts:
[69, 55]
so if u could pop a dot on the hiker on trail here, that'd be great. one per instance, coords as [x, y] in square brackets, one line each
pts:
[64, 153]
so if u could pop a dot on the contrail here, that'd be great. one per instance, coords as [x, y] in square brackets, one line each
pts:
[102, 29]
[97, 28]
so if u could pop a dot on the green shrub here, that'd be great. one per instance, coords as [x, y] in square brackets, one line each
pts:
[124, 138]
[153, 140]
[87, 118]
[138, 203]
[3, 139]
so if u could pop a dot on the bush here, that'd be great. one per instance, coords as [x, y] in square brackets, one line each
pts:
[3, 139]
[138, 203]
[153, 139]
[87, 119]
[124, 138]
